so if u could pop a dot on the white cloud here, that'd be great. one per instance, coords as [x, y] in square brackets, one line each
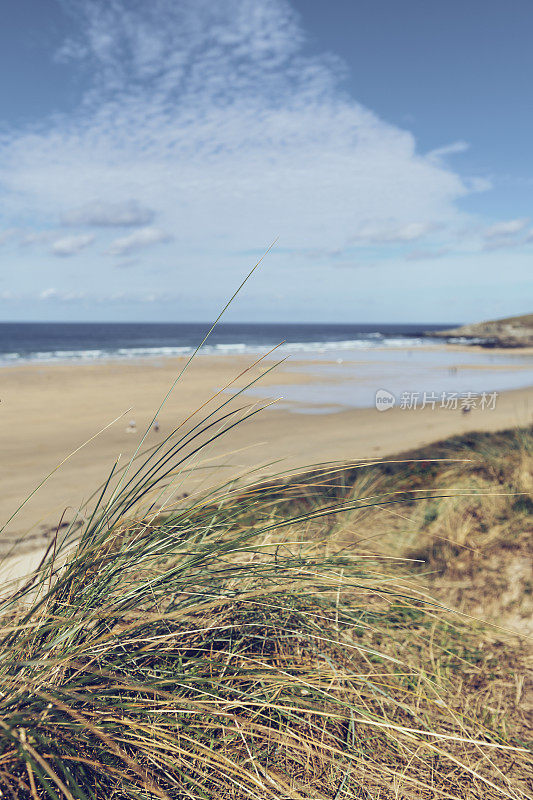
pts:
[449, 150]
[61, 296]
[100, 213]
[389, 233]
[504, 235]
[131, 297]
[505, 229]
[213, 117]
[54, 295]
[218, 122]
[35, 237]
[70, 245]
[48, 294]
[70, 50]
[144, 237]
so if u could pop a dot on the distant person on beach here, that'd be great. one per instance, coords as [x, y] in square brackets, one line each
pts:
[156, 426]
[132, 426]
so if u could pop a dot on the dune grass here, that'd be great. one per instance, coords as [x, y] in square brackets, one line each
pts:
[234, 645]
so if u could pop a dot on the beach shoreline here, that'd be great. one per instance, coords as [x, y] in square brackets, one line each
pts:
[48, 411]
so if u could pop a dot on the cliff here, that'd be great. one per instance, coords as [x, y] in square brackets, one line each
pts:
[508, 332]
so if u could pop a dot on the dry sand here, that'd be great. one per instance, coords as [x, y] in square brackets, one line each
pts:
[47, 411]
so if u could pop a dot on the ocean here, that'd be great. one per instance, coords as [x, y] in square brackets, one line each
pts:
[47, 342]
[350, 362]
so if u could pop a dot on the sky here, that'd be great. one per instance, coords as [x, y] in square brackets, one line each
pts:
[150, 153]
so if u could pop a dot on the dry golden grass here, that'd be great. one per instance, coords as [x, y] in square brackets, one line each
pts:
[272, 642]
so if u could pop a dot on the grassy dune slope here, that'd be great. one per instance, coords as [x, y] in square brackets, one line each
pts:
[274, 642]
[466, 513]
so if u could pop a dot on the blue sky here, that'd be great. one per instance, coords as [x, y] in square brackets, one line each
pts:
[150, 152]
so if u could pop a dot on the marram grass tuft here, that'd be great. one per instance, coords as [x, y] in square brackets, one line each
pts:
[223, 646]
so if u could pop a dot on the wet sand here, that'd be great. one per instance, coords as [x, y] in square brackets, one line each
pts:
[47, 412]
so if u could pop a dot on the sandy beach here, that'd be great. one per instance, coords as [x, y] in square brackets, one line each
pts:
[48, 411]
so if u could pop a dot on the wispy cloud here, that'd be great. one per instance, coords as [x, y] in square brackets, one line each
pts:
[31, 238]
[59, 295]
[53, 295]
[144, 237]
[505, 229]
[387, 232]
[219, 122]
[100, 213]
[70, 245]
[505, 234]
[212, 121]
[449, 150]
